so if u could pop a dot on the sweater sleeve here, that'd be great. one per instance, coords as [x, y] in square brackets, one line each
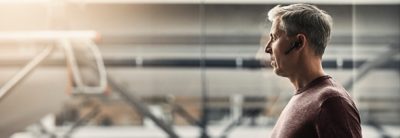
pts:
[338, 119]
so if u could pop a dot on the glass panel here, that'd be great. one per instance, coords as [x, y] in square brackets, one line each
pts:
[376, 34]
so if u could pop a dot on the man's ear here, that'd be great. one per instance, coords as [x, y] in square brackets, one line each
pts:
[301, 41]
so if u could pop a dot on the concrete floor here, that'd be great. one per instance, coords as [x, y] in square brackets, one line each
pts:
[189, 132]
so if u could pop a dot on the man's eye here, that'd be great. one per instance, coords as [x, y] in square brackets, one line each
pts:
[271, 37]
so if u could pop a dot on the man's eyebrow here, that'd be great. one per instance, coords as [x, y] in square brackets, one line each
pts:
[274, 35]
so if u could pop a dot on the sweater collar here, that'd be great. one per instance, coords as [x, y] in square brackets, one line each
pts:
[312, 83]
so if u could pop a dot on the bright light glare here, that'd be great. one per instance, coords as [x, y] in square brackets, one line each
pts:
[47, 35]
[24, 1]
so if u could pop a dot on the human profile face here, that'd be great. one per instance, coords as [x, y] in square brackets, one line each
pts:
[278, 43]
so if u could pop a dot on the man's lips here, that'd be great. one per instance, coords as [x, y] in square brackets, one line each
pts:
[272, 63]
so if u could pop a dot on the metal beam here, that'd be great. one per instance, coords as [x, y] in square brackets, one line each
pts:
[189, 118]
[365, 68]
[93, 113]
[247, 63]
[135, 103]
[225, 39]
[142, 108]
[17, 78]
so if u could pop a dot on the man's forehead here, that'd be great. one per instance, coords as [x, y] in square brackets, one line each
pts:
[275, 26]
[275, 30]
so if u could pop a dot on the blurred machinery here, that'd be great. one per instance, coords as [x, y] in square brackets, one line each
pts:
[184, 68]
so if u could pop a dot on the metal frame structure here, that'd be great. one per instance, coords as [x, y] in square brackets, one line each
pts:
[63, 38]
[136, 104]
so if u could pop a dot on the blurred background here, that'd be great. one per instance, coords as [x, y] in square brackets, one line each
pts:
[179, 68]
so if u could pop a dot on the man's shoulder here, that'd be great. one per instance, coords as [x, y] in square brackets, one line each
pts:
[331, 89]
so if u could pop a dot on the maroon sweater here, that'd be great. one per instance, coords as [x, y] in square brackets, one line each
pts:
[322, 109]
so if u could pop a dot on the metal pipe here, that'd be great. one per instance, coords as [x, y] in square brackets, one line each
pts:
[17, 78]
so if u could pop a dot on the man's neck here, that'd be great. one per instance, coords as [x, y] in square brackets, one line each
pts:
[306, 74]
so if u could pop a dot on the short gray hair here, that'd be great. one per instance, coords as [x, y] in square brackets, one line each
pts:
[315, 23]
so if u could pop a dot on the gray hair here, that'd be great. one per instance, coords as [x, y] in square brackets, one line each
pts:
[315, 23]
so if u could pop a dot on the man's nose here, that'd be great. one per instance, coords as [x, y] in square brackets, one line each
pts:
[268, 49]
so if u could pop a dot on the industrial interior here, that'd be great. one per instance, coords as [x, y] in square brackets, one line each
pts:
[179, 68]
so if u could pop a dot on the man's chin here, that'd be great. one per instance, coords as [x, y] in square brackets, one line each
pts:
[279, 72]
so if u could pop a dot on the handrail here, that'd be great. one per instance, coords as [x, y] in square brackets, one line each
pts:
[17, 78]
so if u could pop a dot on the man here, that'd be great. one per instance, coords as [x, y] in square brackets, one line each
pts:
[319, 107]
